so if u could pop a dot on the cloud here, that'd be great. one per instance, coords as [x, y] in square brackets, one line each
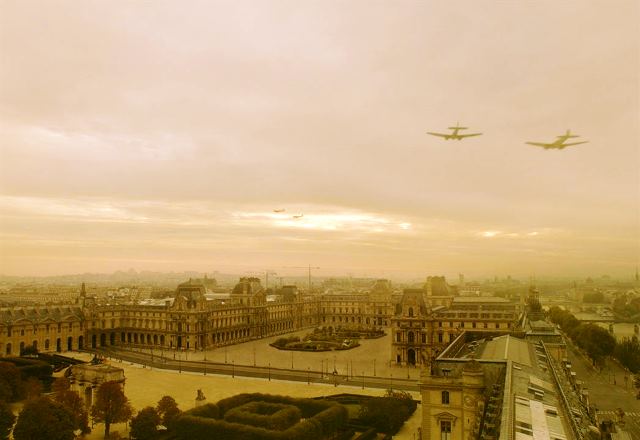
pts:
[180, 119]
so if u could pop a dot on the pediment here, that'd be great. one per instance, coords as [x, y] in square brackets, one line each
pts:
[445, 416]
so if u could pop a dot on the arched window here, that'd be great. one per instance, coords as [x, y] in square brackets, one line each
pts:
[445, 397]
[410, 311]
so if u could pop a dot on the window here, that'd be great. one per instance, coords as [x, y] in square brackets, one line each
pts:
[398, 337]
[445, 398]
[445, 430]
[410, 311]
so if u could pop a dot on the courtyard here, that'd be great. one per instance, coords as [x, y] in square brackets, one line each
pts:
[145, 386]
[371, 358]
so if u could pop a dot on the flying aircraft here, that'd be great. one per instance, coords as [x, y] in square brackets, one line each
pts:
[455, 133]
[298, 216]
[278, 210]
[559, 142]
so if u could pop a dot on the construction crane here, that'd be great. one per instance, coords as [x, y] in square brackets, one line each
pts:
[309, 268]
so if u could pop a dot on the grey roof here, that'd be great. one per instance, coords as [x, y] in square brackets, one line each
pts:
[506, 348]
[37, 315]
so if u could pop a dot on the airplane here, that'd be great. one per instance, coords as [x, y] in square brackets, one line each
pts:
[559, 142]
[298, 216]
[278, 210]
[455, 133]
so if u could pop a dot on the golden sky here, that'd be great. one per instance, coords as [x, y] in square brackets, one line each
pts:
[161, 135]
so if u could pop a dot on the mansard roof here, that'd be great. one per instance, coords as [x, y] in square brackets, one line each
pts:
[413, 298]
[40, 315]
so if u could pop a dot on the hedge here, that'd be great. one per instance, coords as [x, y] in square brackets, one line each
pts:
[275, 416]
[322, 419]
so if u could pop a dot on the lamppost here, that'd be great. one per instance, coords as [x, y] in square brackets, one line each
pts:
[225, 355]
[374, 367]
[292, 360]
[308, 375]
[254, 356]
[205, 363]
[269, 371]
[363, 379]
[233, 368]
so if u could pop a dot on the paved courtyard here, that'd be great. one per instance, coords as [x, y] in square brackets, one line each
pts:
[146, 386]
[372, 357]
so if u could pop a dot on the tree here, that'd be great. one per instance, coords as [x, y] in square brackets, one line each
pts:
[628, 353]
[7, 419]
[60, 384]
[32, 388]
[11, 385]
[111, 406]
[144, 426]
[168, 410]
[74, 403]
[43, 419]
[387, 414]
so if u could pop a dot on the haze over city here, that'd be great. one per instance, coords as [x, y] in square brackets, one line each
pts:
[158, 137]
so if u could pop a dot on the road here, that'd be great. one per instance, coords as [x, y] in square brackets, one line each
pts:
[608, 389]
[268, 373]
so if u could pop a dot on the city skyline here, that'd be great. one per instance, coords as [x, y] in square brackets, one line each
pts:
[162, 138]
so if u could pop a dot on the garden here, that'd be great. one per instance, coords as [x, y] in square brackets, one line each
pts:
[328, 339]
[263, 417]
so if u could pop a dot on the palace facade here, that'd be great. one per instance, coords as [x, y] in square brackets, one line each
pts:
[422, 321]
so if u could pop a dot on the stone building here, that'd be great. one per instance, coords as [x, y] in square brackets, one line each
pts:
[196, 318]
[421, 330]
[498, 388]
[193, 319]
[411, 329]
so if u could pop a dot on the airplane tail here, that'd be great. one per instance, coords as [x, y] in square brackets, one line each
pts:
[457, 127]
[569, 135]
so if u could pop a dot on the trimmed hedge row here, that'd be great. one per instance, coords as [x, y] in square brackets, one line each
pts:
[322, 420]
[275, 416]
[209, 410]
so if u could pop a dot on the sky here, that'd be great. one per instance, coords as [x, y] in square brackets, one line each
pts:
[163, 135]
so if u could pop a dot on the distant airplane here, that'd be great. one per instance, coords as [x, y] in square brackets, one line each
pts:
[455, 133]
[278, 210]
[560, 142]
[298, 216]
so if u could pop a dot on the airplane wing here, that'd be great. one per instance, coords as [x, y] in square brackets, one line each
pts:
[468, 135]
[574, 143]
[540, 144]
[437, 134]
